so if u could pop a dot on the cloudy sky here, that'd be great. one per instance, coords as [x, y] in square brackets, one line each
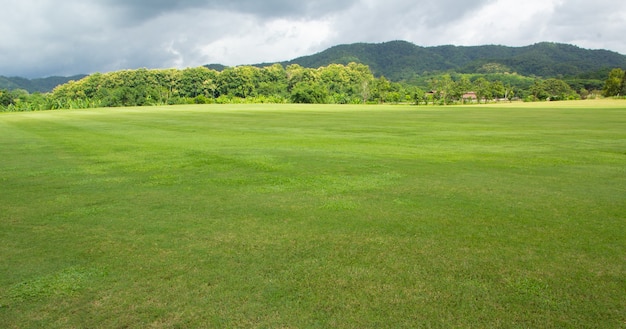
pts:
[40, 38]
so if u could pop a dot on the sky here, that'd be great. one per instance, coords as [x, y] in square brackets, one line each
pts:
[41, 38]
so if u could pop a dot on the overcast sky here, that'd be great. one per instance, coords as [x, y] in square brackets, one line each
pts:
[40, 38]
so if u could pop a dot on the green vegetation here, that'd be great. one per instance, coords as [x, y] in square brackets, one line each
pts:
[333, 84]
[337, 84]
[40, 85]
[315, 216]
[616, 83]
[404, 61]
[401, 72]
[401, 61]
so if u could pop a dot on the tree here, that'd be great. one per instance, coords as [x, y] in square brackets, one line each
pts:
[417, 95]
[380, 89]
[483, 89]
[614, 85]
[335, 78]
[360, 80]
[295, 74]
[537, 90]
[461, 86]
[309, 93]
[194, 82]
[6, 98]
[272, 81]
[509, 92]
[498, 90]
[443, 87]
[558, 90]
[364, 91]
[169, 82]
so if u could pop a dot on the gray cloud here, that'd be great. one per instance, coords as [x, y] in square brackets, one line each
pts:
[45, 37]
[597, 24]
[401, 19]
[265, 9]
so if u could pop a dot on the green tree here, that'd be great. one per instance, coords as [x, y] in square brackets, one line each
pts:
[6, 98]
[498, 90]
[169, 84]
[360, 81]
[557, 89]
[365, 91]
[461, 86]
[417, 95]
[309, 93]
[295, 75]
[509, 91]
[272, 81]
[483, 89]
[615, 83]
[443, 87]
[537, 91]
[335, 77]
[381, 87]
[197, 81]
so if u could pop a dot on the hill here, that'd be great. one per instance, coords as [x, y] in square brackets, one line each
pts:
[401, 60]
[35, 85]
[404, 61]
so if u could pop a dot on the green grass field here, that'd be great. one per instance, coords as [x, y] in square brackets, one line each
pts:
[294, 216]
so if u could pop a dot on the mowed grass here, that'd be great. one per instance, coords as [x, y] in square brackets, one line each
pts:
[287, 216]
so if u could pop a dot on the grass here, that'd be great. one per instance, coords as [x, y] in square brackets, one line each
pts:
[287, 216]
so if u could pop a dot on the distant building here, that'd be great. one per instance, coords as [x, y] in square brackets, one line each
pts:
[469, 96]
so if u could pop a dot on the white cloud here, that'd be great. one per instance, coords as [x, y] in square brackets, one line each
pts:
[591, 24]
[514, 23]
[46, 37]
[275, 40]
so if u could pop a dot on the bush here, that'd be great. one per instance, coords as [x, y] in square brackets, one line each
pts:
[201, 99]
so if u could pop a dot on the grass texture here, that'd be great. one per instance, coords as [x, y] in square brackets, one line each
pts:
[295, 216]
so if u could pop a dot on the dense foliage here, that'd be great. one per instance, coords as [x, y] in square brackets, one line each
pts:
[616, 83]
[336, 84]
[401, 60]
[275, 84]
[339, 84]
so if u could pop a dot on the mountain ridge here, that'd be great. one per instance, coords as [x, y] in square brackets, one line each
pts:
[41, 85]
[400, 60]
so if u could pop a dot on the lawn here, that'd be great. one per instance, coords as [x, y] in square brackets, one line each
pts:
[296, 216]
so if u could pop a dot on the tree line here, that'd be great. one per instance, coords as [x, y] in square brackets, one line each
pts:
[335, 84]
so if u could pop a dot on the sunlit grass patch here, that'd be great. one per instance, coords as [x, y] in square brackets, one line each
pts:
[63, 283]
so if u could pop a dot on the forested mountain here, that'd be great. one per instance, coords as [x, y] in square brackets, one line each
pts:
[35, 85]
[404, 61]
[401, 60]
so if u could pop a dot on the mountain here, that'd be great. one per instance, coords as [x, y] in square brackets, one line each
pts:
[35, 85]
[216, 67]
[401, 60]
[396, 60]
